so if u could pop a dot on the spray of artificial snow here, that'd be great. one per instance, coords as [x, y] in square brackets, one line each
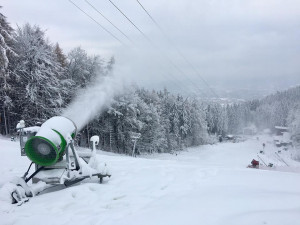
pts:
[91, 101]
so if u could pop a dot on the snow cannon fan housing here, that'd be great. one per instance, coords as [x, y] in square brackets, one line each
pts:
[49, 144]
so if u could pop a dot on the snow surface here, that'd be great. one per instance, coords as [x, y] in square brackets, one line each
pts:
[204, 185]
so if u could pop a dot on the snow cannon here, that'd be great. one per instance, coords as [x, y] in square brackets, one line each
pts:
[49, 144]
[57, 161]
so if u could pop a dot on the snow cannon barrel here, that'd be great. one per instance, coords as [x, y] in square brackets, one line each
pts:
[49, 144]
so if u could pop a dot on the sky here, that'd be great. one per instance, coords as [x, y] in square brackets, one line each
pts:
[210, 47]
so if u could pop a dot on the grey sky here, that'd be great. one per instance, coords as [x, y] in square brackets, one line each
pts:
[232, 43]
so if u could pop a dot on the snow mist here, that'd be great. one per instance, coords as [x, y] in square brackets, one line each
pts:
[92, 100]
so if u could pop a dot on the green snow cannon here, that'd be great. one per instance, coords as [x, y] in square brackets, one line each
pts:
[49, 144]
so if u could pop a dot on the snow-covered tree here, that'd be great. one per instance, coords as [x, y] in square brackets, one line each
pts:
[294, 123]
[82, 69]
[110, 65]
[199, 133]
[153, 136]
[217, 118]
[7, 54]
[37, 75]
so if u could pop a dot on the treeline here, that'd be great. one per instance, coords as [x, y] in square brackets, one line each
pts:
[38, 80]
[279, 109]
[167, 122]
[164, 121]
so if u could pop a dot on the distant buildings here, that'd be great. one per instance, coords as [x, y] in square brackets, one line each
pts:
[282, 137]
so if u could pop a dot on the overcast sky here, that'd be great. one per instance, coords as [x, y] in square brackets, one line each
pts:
[233, 44]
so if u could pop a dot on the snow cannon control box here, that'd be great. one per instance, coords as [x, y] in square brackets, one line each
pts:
[48, 145]
[25, 134]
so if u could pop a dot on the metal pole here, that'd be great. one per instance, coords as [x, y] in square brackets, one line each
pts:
[68, 160]
[262, 160]
[133, 150]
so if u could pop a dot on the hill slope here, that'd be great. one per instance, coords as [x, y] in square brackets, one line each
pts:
[204, 185]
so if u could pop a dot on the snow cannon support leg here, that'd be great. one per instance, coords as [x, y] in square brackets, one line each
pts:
[20, 191]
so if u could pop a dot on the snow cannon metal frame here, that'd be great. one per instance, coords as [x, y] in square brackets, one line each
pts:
[57, 162]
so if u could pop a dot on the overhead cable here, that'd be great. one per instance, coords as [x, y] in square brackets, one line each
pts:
[96, 22]
[153, 45]
[108, 20]
[178, 51]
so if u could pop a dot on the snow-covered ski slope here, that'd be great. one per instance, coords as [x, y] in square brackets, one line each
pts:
[204, 185]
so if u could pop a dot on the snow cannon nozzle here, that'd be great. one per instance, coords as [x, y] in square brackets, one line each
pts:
[50, 142]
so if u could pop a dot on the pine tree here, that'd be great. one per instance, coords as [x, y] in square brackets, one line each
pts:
[83, 69]
[199, 133]
[153, 135]
[61, 58]
[294, 123]
[110, 65]
[164, 111]
[36, 75]
[7, 54]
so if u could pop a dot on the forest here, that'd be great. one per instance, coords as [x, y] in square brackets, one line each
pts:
[38, 80]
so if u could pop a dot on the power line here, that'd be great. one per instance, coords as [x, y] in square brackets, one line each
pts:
[96, 22]
[129, 20]
[163, 74]
[204, 81]
[174, 46]
[169, 75]
[149, 40]
[108, 20]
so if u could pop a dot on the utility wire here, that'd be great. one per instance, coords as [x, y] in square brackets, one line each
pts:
[169, 75]
[163, 74]
[96, 22]
[129, 20]
[174, 46]
[108, 20]
[153, 45]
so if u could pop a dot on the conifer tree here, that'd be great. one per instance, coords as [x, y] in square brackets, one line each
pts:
[37, 75]
[7, 54]
[61, 58]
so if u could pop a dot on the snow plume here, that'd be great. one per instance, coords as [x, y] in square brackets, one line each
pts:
[92, 100]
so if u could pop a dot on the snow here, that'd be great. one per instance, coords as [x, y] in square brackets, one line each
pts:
[207, 185]
[286, 137]
[60, 124]
[281, 127]
[31, 129]
[95, 139]
[21, 124]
